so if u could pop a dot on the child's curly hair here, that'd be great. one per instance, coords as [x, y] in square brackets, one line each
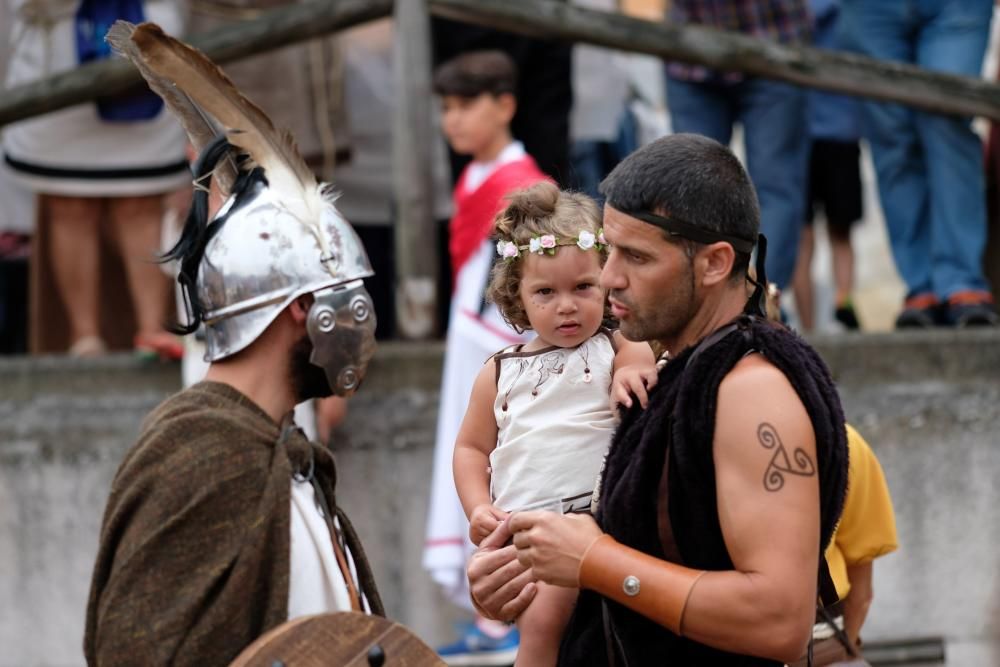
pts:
[533, 212]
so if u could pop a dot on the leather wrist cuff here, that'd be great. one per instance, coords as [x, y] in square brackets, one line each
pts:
[655, 588]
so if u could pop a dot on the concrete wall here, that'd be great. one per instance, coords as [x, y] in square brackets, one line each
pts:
[929, 403]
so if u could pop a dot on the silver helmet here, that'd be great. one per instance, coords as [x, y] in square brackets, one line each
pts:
[278, 236]
[263, 258]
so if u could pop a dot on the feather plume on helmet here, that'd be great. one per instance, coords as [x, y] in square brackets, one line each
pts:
[278, 235]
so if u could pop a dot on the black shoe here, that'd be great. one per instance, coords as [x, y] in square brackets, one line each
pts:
[972, 309]
[845, 315]
[921, 311]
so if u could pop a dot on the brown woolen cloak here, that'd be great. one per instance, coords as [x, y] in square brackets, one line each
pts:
[194, 548]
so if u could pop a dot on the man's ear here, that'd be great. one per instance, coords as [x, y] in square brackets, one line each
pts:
[298, 309]
[716, 262]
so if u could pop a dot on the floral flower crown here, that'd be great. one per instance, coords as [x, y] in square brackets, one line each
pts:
[547, 244]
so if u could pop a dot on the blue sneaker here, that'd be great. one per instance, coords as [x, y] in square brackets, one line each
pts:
[477, 648]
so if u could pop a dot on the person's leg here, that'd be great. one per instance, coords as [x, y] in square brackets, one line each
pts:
[843, 263]
[843, 208]
[884, 30]
[774, 125]
[953, 40]
[586, 166]
[136, 222]
[542, 624]
[802, 286]
[74, 244]
[700, 108]
[843, 274]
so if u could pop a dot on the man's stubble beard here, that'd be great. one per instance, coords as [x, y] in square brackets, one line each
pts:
[665, 320]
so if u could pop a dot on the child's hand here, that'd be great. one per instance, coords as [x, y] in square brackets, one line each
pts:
[483, 521]
[628, 380]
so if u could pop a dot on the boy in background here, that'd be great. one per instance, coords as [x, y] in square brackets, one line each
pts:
[478, 104]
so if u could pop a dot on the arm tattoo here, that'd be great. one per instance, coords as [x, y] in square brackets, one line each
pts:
[800, 463]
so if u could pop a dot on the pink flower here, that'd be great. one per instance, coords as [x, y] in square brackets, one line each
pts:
[509, 250]
[600, 237]
[548, 241]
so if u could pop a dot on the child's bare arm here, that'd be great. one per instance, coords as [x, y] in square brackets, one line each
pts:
[635, 372]
[477, 437]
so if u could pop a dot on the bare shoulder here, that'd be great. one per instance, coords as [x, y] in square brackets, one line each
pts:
[756, 383]
[752, 373]
[485, 386]
[759, 413]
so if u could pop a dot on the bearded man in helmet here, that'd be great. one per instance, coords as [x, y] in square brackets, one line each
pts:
[222, 521]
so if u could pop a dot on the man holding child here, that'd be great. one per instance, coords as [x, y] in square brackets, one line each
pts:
[718, 498]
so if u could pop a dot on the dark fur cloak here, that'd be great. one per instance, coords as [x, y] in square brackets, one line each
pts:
[679, 422]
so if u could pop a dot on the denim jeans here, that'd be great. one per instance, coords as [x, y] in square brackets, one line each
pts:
[591, 161]
[929, 166]
[773, 115]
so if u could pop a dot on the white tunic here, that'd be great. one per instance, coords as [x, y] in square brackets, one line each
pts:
[315, 582]
[72, 151]
[554, 425]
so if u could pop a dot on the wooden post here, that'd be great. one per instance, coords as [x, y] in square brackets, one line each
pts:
[412, 134]
[816, 68]
[272, 30]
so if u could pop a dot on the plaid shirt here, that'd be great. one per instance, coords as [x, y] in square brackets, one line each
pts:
[780, 20]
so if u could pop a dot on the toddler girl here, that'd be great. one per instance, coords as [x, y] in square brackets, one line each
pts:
[539, 418]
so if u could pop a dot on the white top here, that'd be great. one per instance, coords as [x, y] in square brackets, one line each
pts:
[554, 425]
[477, 172]
[315, 582]
[72, 151]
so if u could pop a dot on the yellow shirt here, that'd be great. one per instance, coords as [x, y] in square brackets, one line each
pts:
[867, 527]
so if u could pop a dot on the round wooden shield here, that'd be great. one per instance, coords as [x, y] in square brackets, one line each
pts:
[350, 639]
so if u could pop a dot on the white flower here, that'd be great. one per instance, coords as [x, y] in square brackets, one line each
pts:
[535, 245]
[548, 241]
[500, 246]
[586, 240]
[510, 250]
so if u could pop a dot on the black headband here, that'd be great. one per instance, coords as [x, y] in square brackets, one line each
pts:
[684, 229]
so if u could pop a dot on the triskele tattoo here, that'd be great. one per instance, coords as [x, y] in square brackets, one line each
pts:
[799, 464]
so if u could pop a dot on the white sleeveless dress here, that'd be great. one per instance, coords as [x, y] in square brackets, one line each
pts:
[554, 425]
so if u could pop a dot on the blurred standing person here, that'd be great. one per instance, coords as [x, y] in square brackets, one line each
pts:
[544, 89]
[834, 182]
[772, 114]
[602, 129]
[993, 201]
[929, 166]
[113, 158]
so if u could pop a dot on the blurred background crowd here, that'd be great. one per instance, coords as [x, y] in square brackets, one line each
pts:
[877, 215]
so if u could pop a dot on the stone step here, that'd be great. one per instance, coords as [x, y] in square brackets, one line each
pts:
[929, 403]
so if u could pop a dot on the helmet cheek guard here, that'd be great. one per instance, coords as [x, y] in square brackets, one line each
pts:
[341, 327]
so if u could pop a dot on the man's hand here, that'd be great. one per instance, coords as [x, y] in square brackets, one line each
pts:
[635, 379]
[483, 521]
[500, 587]
[553, 545]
